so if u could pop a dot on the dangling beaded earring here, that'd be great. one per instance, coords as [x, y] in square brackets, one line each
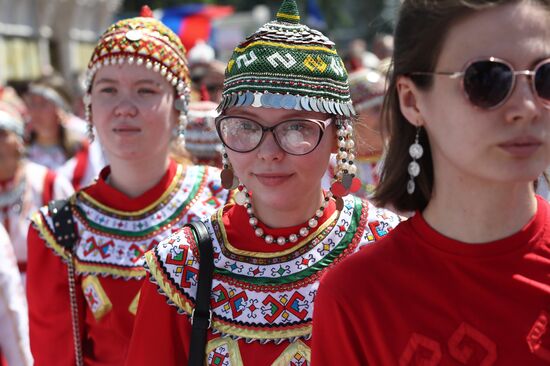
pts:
[181, 104]
[88, 117]
[344, 181]
[229, 180]
[90, 132]
[415, 151]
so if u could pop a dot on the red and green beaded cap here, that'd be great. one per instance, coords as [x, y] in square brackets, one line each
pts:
[144, 41]
[287, 65]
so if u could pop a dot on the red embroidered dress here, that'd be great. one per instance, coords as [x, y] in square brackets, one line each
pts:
[114, 232]
[262, 295]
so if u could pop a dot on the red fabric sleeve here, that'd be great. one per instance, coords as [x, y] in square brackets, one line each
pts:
[334, 339]
[50, 320]
[161, 335]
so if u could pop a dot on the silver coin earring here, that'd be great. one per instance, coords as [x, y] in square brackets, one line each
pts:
[415, 151]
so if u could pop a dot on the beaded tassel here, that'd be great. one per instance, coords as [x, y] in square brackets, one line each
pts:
[344, 181]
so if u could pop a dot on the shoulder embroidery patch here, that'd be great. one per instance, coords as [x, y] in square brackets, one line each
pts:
[223, 352]
[97, 299]
[296, 354]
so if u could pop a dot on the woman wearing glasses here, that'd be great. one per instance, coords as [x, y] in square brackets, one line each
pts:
[464, 281]
[285, 107]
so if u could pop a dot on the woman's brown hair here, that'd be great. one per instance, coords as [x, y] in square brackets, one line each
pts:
[419, 37]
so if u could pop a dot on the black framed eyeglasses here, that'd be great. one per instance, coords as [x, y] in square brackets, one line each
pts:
[489, 82]
[298, 136]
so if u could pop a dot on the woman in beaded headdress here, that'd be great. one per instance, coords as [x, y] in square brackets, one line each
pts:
[285, 108]
[137, 94]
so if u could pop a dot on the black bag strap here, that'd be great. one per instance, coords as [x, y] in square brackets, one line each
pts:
[65, 234]
[201, 318]
[63, 223]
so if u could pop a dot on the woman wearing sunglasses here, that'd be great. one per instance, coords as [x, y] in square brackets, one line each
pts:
[83, 293]
[285, 107]
[464, 281]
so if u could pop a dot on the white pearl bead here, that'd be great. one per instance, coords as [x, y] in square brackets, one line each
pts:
[350, 144]
[304, 231]
[319, 213]
[259, 232]
[253, 221]
[342, 143]
[281, 240]
[163, 71]
[131, 60]
[352, 169]
[312, 223]
[293, 238]
[139, 61]
[156, 68]
[249, 211]
[351, 157]
[342, 155]
[149, 65]
[268, 239]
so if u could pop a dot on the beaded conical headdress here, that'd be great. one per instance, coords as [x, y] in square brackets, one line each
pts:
[144, 41]
[287, 65]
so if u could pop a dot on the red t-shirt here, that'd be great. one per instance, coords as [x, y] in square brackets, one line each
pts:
[420, 298]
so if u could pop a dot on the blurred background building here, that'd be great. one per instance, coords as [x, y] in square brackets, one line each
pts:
[40, 36]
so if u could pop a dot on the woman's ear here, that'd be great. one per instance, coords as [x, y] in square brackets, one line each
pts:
[409, 100]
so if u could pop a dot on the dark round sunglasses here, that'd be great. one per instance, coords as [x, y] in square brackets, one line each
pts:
[294, 136]
[488, 83]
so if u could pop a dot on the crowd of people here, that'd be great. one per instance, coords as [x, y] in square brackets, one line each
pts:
[293, 206]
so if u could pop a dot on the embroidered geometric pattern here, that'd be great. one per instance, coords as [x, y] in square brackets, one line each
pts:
[297, 354]
[271, 299]
[98, 301]
[112, 244]
[223, 352]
